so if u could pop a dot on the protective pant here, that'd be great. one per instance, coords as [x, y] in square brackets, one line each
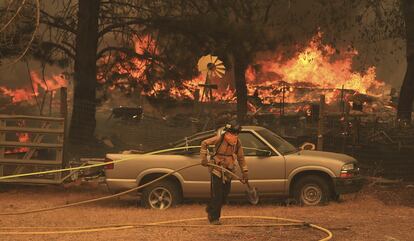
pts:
[219, 192]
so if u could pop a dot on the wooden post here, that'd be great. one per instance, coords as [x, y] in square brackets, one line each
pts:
[2, 138]
[2, 148]
[51, 103]
[282, 102]
[63, 114]
[342, 103]
[345, 128]
[321, 123]
[63, 102]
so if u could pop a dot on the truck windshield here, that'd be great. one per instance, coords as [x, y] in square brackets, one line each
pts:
[277, 142]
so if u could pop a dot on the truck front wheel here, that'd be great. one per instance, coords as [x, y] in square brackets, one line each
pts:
[161, 195]
[311, 191]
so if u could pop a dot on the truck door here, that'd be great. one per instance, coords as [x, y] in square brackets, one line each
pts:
[266, 168]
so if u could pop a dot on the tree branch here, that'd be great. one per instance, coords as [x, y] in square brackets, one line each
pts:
[62, 48]
[125, 50]
[52, 21]
[109, 28]
[33, 34]
[13, 17]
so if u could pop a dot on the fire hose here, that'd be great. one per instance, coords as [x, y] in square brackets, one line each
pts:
[172, 223]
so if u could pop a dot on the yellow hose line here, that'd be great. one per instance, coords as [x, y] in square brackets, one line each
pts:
[170, 223]
[161, 225]
[94, 165]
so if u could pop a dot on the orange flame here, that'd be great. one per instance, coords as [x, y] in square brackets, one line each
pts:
[318, 66]
[27, 94]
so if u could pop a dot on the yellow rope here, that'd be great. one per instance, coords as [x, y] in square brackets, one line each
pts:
[94, 165]
[169, 224]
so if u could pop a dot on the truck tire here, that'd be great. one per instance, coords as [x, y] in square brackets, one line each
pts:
[311, 191]
[161, 195]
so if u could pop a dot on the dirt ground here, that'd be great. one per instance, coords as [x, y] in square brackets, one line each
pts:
[374, 214]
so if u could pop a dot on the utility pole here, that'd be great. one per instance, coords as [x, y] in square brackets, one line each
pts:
[282, 101]
[321, 122]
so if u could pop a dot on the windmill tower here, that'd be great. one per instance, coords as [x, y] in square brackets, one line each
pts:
[210, 67]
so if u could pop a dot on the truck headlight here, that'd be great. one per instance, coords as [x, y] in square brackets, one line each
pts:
[348, 167]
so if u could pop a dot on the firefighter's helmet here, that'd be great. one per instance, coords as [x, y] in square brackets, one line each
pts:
[232, 127]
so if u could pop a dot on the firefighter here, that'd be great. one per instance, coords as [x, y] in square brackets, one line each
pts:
[228, 149]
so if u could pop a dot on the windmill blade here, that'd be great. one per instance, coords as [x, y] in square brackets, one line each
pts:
[204, 72]
[213, 59]
[218, 62]
[202, 63]
[221, 71]
[219, 75]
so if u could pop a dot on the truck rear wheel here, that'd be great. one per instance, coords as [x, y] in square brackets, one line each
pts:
[161, 195]
[311, 191]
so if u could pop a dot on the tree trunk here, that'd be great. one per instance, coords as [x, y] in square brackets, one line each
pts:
[405, 102]
[83, 120]
[240, 65]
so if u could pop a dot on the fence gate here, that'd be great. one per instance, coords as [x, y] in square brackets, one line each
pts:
[31, 144]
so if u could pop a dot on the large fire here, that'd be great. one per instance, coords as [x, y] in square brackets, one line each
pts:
[316, 69]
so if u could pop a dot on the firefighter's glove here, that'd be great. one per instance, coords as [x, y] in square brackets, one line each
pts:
[245, 177]
[204, 162]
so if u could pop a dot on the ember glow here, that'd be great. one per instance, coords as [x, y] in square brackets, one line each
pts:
[21, 137]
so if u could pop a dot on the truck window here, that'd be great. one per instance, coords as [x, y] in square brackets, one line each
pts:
[194, 144]
[252, 146]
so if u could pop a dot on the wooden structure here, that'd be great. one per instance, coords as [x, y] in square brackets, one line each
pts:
[41, 150]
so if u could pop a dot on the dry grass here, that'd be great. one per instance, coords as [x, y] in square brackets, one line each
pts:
[357, 217]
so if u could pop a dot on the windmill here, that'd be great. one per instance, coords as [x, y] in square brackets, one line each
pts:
[210, 67]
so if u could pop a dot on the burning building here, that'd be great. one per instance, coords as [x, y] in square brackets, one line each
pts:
[294, 81]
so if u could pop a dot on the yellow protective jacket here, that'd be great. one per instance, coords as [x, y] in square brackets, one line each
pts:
[224, 155]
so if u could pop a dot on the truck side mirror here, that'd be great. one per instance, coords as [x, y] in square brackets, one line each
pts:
[263, 153]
